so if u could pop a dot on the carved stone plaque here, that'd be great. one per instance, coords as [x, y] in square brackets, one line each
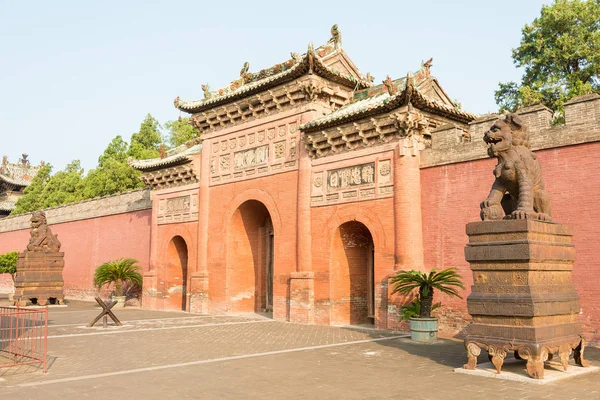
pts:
[351, 176]
[251, 157]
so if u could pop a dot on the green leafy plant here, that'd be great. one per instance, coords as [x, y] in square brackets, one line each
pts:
[413, 309]
[8, 263]
[446, 281]
[118, 272]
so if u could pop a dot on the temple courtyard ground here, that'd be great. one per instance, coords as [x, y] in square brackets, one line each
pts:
[167, 355]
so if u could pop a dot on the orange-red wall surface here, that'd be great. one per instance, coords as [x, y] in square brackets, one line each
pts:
[91, 242]
[450, 199]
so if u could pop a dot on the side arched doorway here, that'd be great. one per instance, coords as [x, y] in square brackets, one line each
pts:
[352, 283]
[250, 261]
[175, 274]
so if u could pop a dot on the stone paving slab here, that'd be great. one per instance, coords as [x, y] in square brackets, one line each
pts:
[233, 357]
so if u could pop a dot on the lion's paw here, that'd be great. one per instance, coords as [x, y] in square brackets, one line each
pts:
[523, 214]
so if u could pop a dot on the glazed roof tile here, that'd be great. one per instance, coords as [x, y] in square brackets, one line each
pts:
[373, 100]
[18, 174]
[7, 205]
[174, 156]
[280, 73]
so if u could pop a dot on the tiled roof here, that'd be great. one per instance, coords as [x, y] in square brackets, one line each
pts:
[7, 205]
[18, 174]
[373, 100]
[174, 156]
[254, 82]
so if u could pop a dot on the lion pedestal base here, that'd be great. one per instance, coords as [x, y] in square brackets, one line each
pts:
[39, 276]
[522, 299]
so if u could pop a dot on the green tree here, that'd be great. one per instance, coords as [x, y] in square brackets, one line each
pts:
[560, 51]
[112, 177]
[116, 150]
[64, 187]
[145, 143]
[32, 199]
[8, 263]
[180, 132]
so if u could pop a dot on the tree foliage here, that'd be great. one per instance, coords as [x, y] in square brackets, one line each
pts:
[32, 195]
[446, 281]
[560, 54]
[118, 272]
[8, 263]
[180, 132]
[145, 143]
[112, 175]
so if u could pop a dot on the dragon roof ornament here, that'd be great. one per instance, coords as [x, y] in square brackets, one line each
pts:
[252, 82]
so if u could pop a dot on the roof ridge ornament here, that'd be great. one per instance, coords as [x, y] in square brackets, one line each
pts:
[336, 37]
[310, 53]
[389, 85]
[206, 91]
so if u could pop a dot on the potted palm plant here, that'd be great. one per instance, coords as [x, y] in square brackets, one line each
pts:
[424, 328]
[118, 272]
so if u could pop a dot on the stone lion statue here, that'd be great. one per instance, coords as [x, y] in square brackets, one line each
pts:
[42, 239]
[518, 191]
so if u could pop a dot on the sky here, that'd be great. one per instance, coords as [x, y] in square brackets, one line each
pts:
[74, 74]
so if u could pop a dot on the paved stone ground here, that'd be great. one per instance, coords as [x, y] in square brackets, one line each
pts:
[162, 355]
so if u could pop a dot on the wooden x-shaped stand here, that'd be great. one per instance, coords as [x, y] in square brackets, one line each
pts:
[105, 311]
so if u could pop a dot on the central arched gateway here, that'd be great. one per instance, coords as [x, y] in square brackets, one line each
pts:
[250, 261]
[175, 274]
[352, 275]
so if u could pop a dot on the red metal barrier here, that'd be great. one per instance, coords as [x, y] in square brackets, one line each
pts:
[23, 336]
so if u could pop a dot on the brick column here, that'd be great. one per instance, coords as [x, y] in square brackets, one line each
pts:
[302, 297]
[408, 227]
[199, 292]
[302, 283]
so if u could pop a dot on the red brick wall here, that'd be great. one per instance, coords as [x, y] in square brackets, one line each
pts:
[278, 194]
[91, 242]
[378, 217]
[450, 198]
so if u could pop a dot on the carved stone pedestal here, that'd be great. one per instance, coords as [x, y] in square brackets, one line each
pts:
[39, 276]
[522, 299]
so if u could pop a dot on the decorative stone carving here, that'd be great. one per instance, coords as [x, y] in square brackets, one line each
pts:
[178, 204]
[318, 181]
[293, 149]
[224, 163]
[39, 268]
[251, 157]
[251, 138]
[292, 127]
[242, 141]
[385, 168]
[311, 91]
[279, 150]
[213, 165]
[523, 299]
[215, 147]
[518, 191]
[271, 134]
[232, 143]
[281, 130]
[261, 136]
[351, 176]
[42, 240]
[224, 145]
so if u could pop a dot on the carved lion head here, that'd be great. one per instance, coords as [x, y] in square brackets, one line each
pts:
[504, 133]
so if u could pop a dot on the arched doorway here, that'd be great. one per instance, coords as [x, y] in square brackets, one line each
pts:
[175, 275]
[250, 262]
[352, 275]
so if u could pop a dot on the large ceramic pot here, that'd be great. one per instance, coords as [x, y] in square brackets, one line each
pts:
[120, 301]
[423, 330]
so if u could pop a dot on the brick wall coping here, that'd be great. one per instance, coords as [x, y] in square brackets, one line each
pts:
[124, 202]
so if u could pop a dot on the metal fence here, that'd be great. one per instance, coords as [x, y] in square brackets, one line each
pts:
[23, 336]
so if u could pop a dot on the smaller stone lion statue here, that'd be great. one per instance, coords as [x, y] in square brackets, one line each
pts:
[42, 239]
[518, 191]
